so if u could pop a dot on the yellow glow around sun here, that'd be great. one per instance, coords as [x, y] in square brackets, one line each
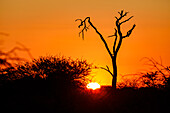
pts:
[93, 86]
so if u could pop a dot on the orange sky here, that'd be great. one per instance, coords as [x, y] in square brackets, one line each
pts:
[48, 27]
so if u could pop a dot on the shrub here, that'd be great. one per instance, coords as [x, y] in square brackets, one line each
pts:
[59, 69]
[157, 77]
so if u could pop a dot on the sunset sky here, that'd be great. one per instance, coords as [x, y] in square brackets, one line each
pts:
[48, 27]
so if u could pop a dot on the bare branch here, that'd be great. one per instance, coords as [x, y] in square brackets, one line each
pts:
[114, 46]
[125, 14]
[116, 18]
[122, 15]
[107, 69]
[129, 32]
[121, 12]
[26, 49]
[2, 53]
[115, 34]
[126, 20]
[6, 58]
[111, 36]
[78, 19]
[155, 64]
[118, 25]
[83, 23]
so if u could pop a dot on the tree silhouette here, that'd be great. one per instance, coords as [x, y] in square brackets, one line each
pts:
[117, 43]
[59, 71]
[157, 77]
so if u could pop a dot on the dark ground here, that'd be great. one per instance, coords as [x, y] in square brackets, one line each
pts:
[43, 98]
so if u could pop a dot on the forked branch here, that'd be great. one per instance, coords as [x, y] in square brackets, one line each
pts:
[107, 69]
[85, 28]
[118, 27]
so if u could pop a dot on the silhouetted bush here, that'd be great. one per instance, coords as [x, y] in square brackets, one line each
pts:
[157, 77]
[57, 70]
[131, 82]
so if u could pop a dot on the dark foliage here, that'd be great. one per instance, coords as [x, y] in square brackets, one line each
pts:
[60, 70]
[44, 85]
[157, 77]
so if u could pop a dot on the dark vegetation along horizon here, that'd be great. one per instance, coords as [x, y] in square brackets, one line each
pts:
[58, 84]
[52, 84]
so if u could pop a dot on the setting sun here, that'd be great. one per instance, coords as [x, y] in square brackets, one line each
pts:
[93, 86]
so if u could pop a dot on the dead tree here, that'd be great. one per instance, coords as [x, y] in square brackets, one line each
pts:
[86, 23]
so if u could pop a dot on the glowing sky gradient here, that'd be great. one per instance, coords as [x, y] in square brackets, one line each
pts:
[48, 27]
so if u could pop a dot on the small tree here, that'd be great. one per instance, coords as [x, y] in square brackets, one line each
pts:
[61, 70]
[157, 77]
[117, 43]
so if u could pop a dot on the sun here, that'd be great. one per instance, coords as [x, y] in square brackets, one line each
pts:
[93, 85]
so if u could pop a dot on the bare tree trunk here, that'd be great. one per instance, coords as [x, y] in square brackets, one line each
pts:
[114, 76]
[116, 45]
